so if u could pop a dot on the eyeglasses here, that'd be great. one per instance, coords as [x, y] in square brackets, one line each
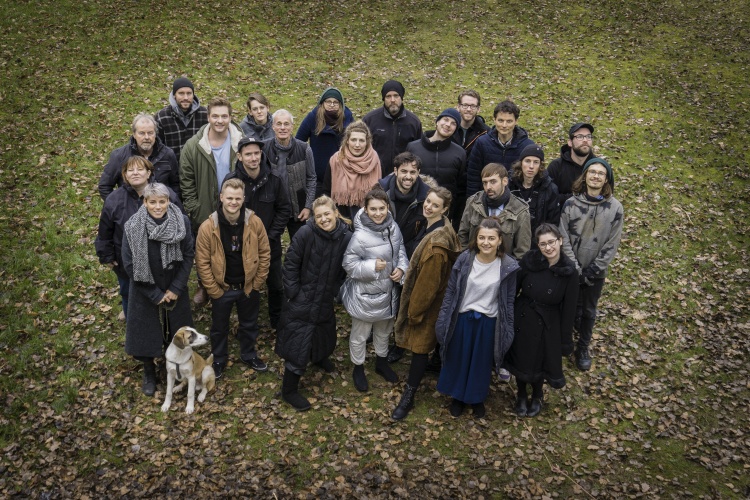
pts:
[468, 106]
[545, 244]
[581, 137]
[331, 103]
[596, 173]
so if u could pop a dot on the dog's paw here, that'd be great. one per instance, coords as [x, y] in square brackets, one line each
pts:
[189, 410]
[201, 397]
[165, 408]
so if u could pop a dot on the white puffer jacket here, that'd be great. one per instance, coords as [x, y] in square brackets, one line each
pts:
[369, 295]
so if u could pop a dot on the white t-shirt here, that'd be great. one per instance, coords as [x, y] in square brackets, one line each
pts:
[481, 288]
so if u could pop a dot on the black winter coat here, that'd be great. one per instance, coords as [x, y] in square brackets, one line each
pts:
[390, 135]
[166, 168]
[312, 277]
[542, 198]
[477, 129]
[564, 172]
[410, 222]
[543, 321]
[487, 149]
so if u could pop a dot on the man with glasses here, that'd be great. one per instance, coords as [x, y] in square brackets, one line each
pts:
[568, 167]
[472, 126]
[392, 126]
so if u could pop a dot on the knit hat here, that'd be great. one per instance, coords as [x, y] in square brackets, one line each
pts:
[246, 141]
[450, 113]
[331, 92]
[180, 83]
[532, 150]
[602, 161]
[392, 86]
[580, 125]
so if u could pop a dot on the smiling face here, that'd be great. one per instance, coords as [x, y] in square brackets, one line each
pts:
[488, 241]
[549, 244]
[231, 201]
[468, 107]
[530, 167]
[184, 98]
[494, 186]
[406, 176]
[250, 158]
[596, 177]
[357, 143]
[157, 206]
[505, 123]
[259, 112]
[392, 102]
[433, 208]
[218, 119]
[326, 217]
[282, 127]
[376, 210]
[445, 127]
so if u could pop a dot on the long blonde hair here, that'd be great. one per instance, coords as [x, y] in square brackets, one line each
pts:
[326, 201]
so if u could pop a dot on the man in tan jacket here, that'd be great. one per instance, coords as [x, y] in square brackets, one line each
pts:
[232, 255]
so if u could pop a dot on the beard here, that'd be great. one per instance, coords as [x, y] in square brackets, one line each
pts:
[582, 151]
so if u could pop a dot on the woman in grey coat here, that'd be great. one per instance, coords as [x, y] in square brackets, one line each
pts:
[375, 263]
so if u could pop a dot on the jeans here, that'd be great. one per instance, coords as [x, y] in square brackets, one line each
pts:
[247, 333]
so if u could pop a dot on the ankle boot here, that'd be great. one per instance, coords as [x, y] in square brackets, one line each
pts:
[383, 369]
[149, 378]
[535, 407]
[289, 387]
[406, 403]
[360, 379]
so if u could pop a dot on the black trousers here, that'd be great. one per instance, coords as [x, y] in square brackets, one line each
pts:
[588, 298]
[247, 333]
[275, 287]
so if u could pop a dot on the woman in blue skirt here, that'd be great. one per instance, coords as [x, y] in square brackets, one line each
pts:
[475, 325]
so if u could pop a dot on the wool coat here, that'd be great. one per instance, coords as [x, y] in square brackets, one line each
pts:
[312, 277]
[454, 294]
[144, 334]
[544, 312]
[424, 289]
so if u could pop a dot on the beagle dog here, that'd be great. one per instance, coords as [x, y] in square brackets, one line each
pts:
[183, 364]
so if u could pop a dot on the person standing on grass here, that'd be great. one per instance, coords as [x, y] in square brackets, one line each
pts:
[544, 312]
[293, 161]
[591, 226]
[530, 183]
[324, 128]
[353, 170]
[257, 123]
[375, 262]
[392, 126]
[266, 195]
[157, 255]
[182, 118]
[573, 156]
[136, 173]
[144, 143]
[443, 160]
[472, 126]
[475, 324]
[206, 160]
[232, 256]
[312, 277]
[502, 144]
[424, 288]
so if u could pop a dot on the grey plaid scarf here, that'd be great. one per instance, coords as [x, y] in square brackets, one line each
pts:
[141, 227]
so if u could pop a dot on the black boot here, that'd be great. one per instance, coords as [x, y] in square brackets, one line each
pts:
[435, 364]
[360, 379]
[289, 386]
[535, 407]
[384, 370]
[326, 365]
[456, 408]
[583, 358]
[149, 378]
[395, 353]
[406, 403]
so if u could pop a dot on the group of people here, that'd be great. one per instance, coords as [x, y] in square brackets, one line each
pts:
[458, 240]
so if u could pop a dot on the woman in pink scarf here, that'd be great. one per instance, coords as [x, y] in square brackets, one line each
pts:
[353, 170]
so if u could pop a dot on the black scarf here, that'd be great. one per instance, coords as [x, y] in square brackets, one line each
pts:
[497, 202]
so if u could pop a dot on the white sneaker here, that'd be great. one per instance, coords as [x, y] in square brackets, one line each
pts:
[504, 375]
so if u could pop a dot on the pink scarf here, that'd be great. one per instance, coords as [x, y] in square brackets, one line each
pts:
[353, 176]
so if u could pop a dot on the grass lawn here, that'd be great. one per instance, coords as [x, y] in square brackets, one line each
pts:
[663, 413]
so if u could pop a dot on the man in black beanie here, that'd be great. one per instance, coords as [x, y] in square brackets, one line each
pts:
[392, 126]
[182, 117]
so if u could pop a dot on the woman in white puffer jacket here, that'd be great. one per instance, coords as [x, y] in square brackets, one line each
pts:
[375, 263]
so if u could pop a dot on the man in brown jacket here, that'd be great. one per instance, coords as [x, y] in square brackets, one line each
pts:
[232, 255]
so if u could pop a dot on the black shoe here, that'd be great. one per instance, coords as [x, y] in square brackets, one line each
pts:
[535, 407]
[395, 353]
[289, 388]
[326, 365]
[385, 371]
[149, 378]
[434, 364]
[457, 408]
[218, 369]
[360, 379]
[583, 359]
[256, 364]
[479, 410]
[522, 406]
[406, 403]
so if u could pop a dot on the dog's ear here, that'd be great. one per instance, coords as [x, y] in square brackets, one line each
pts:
[179, 339]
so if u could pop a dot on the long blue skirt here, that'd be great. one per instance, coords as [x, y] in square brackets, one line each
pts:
[467, 364]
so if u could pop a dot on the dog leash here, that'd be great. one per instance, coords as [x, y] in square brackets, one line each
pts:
[164, 320]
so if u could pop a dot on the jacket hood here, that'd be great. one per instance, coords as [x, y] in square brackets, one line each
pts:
[265, 170]
[565, 151]
[338, 232]
[437, 145]
[196, 104]
[535, 261]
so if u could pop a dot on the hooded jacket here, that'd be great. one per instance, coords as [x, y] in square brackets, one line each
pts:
[391, 134]
[198, 177]
[515, 224]
[166, 168]
[412, 220]
[176, 127]
[591, 232]
[487, 149]
[542, 199]
[370, 295]
[261, 132]
[325, 144]
[564, 172]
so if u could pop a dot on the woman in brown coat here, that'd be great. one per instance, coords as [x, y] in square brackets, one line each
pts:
[424, 288]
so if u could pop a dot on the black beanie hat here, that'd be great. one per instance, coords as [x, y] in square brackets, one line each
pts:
[392, 86]
[331, 92]
[532, 150]
[182, 82]
[602, 161]
[450, 113]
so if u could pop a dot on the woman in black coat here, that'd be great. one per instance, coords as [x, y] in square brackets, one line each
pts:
[312, 278]
[157, 254]
[531, 182]
[544, 312]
